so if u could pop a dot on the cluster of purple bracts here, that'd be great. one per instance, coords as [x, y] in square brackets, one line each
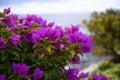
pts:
[38, 29]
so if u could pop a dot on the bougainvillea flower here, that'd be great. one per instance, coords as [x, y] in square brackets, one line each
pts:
[27, 37]
[6, 10]
[20, 69]
[10, 21]
[61, 31]
[38, 74]
[71, 74]
[83, 74]
[72, 29]
[75, 60]
[51, 24]
[98, 77]
[14, 39]
[2, 43]
[43, 23]
[2, 77]
[84, 41]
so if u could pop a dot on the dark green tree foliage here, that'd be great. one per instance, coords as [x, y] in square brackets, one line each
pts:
[105, 29]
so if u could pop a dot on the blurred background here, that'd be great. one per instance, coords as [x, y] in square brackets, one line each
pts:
[98, 18]
[63, 12]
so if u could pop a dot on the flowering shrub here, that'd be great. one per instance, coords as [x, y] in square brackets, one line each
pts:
[33, 49]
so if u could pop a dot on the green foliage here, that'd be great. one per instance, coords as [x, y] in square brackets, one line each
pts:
[110, 69]
[105, 29]
[33, 49]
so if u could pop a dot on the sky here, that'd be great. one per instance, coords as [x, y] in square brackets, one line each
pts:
[58, 6]
[62, 12]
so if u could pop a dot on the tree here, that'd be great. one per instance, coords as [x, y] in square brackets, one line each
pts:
[105, 29]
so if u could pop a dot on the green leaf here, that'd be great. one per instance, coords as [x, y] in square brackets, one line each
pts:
[2, 66]
[38, 45]
[1, 14]
[10, 77]
[29, 56]
[49, 49]
[46, 75]
[4, 56]
[34, 46]
[2, 30]
[36, 51]
[72, 53]
[16, 54]
[81, 54]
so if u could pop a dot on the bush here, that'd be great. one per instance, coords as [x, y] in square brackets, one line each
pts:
[32, 49]
[105, 28]
[110, 69]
